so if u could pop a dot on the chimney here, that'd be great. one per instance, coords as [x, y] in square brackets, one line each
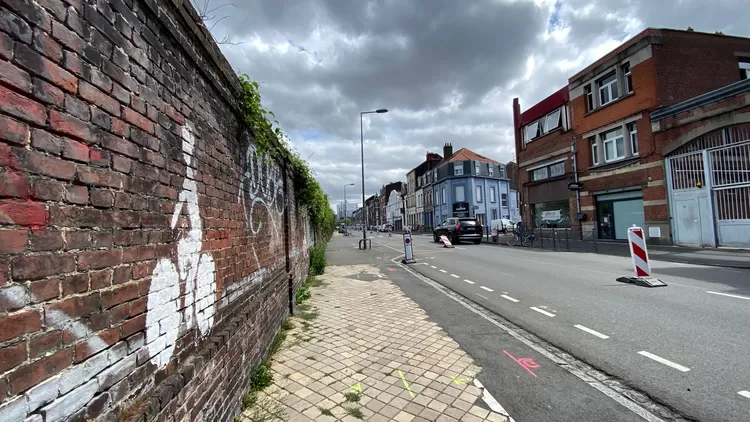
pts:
[447, 150]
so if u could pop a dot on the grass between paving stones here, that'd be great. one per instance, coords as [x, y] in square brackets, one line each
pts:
[324, 411]
[352, 397]
[354, 412]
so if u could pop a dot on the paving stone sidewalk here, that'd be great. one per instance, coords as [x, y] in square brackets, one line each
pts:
[355, 359]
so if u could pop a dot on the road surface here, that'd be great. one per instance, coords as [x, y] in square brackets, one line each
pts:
[685, 345]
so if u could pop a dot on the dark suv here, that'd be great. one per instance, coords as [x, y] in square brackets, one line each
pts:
[458, 229]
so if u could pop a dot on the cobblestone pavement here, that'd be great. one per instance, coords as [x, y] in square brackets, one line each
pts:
[370, 354]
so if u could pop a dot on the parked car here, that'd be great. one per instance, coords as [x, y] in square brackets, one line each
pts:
[458, 229]
[342, 228]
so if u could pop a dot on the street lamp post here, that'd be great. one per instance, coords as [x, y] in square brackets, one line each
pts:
[346, 215]
[363, 242]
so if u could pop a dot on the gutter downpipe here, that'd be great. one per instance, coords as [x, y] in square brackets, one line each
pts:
[575, 176]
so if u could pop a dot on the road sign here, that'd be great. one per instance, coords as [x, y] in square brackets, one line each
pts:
[446, 243]
[575, 186]
[639, 255]
[408, 252]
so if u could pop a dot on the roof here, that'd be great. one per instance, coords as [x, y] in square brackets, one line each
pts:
[467, 154]
[545, 106]
[722, 93]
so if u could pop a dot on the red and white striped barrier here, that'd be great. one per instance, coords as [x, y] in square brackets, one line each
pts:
[639, 252]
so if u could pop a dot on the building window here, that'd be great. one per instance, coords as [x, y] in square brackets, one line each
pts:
[492, 170]
[614, 145]
[478, 168]
[504, 199]
[479, 193]
[492, 194]
[589, 98]
[443, 196]
[628, 78]
[745, 69]
[458, 169]
[607, 88]
[460, 196]
[502, 170]
[532, 131]
[494, 213]
[552, 121]
[539, 174]
[557, 169]
[633, 138]
[594, 151]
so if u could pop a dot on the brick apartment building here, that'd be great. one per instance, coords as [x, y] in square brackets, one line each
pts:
[544, 145]
[415, 182]
[619, 162]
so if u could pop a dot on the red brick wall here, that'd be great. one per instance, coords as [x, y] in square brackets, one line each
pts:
[692, 63]
[146, 256]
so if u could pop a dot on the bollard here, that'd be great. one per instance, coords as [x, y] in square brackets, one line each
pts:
[567, 241]
[554, 239]
[593, 236]
[541, 238]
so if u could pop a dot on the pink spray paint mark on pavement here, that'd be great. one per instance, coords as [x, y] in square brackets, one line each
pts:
[526, 363]
[391, 269]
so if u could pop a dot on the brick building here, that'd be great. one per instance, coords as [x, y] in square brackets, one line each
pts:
[383, 196]
[619, 162]
[416, 180]
[544, 153]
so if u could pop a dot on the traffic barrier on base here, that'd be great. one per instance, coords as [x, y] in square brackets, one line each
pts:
[446, 243]
[641, 265]
[408, 252]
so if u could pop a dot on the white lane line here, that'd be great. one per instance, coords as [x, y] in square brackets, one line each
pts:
[726, 294]
[455, 276]
[664, 361]
[432, 266]
[443, 271]
[469, 281]
[744, 393]
[590, 331]
[486, 288]
[592, 382]
[483, 297]
[491, 402]
[542, 311]
[509, 298]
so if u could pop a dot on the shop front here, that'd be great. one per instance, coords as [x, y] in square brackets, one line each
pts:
[549, 204]
[615, 212]
[461, 209]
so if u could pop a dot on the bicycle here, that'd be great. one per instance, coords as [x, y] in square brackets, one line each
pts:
[526, 239]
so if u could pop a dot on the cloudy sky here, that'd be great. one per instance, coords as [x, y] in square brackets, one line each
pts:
[447, 70]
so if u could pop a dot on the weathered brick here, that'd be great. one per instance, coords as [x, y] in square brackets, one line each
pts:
[72, 62]
[22, 213]
[44, 290]
[76, 283]
[77, 194]
[77, 108]
[85, 349]
[77, 240]
[15, 76]
[15, 26]
[102, 239]
[31, 12]
[121, 94]
[14, 241]
[121, 275]
[100, 118]
[98, 177]
[121, 164]
[102, 198]
[97, 405]
[70, 125]
[46, 45]
[21, 107]
[13, 131]
[48, 190]
[6, 46]
[133, 117]
[101, 279]
[73, 216]
[71, 308]
[14, 184]
[32, 374]
[48, 93]
[138, 306]
[12, 356]
[96, 77]
[75, 150]
[99, 259]
[55, 7]
[42, 66]
[13, 298]
[18, 324]
[42, 343]
[66, 408]
[36, 162]
[141, 253]
[75, 22]
[46, 240]
[66, 37]
[32, 267]
[119, 127]
[99, 98]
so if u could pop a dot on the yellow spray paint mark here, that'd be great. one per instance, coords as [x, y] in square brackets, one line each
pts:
[406, 384]
[505, 293]
[459, 381]
[356, 387]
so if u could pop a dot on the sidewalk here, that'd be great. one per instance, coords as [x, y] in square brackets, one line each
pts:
[363, 350]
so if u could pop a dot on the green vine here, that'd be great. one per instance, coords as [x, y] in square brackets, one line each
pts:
[271, 143]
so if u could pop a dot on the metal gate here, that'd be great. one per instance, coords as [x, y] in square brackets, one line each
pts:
[709, 190]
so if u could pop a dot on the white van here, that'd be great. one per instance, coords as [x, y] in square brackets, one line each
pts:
[502, 225]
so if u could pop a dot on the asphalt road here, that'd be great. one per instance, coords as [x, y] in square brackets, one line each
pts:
[681, 345]
[544, 391]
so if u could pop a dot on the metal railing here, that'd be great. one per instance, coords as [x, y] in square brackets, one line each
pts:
[548, 238]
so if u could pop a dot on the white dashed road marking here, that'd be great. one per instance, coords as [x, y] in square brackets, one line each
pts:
[483, 297]
[486, 288]
[664, 361]
[455, 276]
[726, 294]
[590, 331]
[469, 281]
[509, 298]
[432, 266]
[443, 271]
[542, 311]
[744, 393]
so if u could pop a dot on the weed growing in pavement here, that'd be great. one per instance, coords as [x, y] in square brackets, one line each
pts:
[287, 324]
[303, 293]
[352, 397]
[261, 377]
[311, 358]
[266, 410]
[388, 374]
[326, 412]
[277, 342]
[354, 412]
[317, 259]
[308, 316]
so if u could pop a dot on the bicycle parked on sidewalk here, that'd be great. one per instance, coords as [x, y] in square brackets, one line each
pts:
[519, 236]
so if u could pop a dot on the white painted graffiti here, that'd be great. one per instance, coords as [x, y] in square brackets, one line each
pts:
[261, 186]
[166, 317]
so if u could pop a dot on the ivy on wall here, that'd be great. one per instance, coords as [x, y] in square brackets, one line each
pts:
[272, 144]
